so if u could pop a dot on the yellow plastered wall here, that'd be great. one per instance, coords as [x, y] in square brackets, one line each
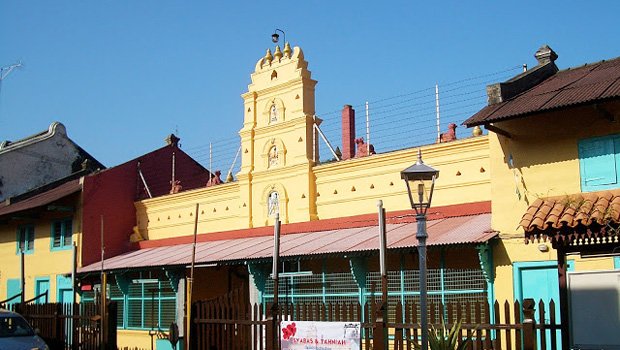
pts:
[354, 186]
[219, 209]
[544, 152]
[133, 339]
[344, 188]
[41, 263]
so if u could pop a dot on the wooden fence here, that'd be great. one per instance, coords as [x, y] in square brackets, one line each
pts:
[71, 326]
[228, 325]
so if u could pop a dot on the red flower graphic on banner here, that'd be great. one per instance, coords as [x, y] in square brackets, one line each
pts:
[289, 331]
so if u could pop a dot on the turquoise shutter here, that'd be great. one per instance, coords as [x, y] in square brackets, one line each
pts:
[597, 164]
[13, 287]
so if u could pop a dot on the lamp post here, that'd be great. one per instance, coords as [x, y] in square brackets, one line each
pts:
[421, 178]
[274, 275]
[275, 37]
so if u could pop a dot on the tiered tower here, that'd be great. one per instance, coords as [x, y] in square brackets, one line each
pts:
[278, 144]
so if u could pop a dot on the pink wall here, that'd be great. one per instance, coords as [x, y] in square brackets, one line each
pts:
[111, 193]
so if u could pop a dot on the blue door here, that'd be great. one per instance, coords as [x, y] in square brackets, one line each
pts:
[64, 285]
[42, 285]
[65, 296]
[539, 280]
[13, 287]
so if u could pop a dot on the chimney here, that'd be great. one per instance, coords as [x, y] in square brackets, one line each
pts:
[545, 55]
[172, 139]
[546, 67]
[348, 132]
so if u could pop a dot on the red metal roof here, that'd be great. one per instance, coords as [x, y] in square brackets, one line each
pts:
[41, 199]
[363, 220]
[573, 86]
[470, 229]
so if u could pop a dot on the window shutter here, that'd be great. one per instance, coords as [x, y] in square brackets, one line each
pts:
[30, 243]
[598, 163]
[21, 236]
[57, 233]
[68, 232]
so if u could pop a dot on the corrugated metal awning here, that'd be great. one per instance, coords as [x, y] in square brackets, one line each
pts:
[43, 198]
[459, 230]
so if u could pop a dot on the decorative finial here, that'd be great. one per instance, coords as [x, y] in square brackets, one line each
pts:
[229, 177]
[419, 161]
[268, 56]
[477, 131]
[277, 54]
[287, 50]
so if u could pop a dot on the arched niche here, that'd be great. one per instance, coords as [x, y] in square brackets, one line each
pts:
[273, 153]
[282, 203]
[274, 111]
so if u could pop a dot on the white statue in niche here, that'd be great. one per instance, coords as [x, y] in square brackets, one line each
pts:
[273, 114]
[273, 203]
[273, 156]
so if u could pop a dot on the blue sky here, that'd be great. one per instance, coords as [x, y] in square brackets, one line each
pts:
[121, 75]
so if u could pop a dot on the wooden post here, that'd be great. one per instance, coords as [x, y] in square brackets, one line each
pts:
[380, 336]
[275, 324]
[111, 325]
[563, 286]
[529, 325]
[269, 332]
[23, 276]
[378, 321]
[103, 295]
[190, 284]
[103, 311]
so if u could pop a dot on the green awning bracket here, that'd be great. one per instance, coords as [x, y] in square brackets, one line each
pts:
[259, 273]
[174, 275]
[485, 255]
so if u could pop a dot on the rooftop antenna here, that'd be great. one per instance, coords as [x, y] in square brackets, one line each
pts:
[437, 111]
[176, 133]
[6, 70]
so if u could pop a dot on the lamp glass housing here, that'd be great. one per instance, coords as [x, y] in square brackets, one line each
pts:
[420, 180]
[275, 37]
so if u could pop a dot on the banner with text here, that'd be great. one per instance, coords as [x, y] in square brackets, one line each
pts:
[310, 335]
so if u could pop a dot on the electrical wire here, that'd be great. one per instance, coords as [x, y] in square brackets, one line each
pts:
[396, 122]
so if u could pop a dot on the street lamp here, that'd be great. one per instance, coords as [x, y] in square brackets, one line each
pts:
[421, 178]
[275, 37]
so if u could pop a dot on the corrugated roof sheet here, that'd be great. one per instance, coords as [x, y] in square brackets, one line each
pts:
[589, 83]
[44, 198]
[448, 231]
[568, 218]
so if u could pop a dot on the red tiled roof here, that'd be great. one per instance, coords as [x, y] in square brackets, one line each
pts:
[573, 86]
[471, 229]
[44, 198]
[568, 218]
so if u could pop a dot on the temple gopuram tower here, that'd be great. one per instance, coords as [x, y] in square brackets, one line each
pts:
[278, 143]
